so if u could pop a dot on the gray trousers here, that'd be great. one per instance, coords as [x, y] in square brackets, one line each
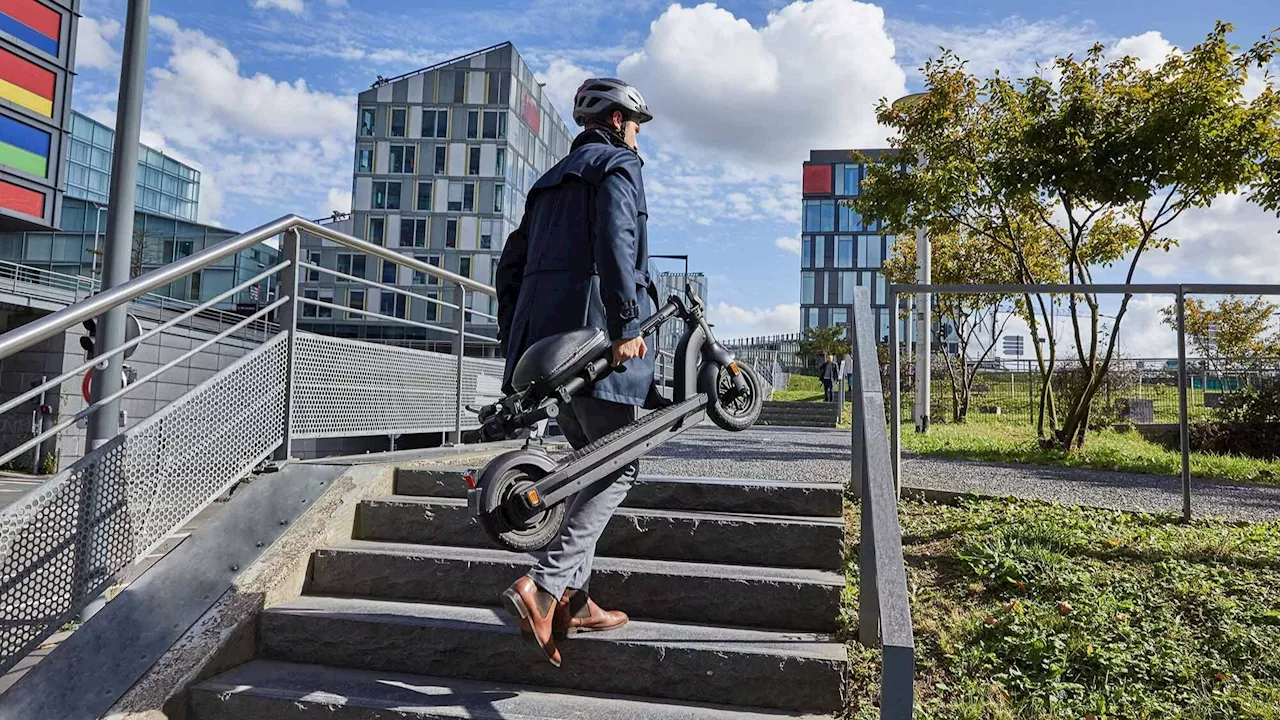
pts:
[566, 563]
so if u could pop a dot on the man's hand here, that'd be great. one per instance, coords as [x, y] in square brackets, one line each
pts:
[624, 350]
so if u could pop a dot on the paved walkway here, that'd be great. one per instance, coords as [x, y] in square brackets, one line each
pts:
[823, 455]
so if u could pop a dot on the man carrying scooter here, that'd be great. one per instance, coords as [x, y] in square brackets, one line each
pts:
[580, 258]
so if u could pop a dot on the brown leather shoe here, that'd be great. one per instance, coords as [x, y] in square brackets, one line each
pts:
[577, 612]
[536, 611]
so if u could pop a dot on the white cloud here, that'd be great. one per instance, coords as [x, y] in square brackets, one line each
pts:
[200, 95]
[1014, 46]
[764, 97]
[1150, 49]
[294, 6]
[1233, 240]
[1143, 333]
[94, 47]
[789, 244]
[338, 200]
[562, 78]
[732, 321]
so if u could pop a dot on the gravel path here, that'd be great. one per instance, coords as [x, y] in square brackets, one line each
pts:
[777, 453]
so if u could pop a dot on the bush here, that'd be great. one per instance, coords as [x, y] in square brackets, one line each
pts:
[1246, 423]
[1108, 406]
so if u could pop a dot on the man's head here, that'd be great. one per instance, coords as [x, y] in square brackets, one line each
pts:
[611, 105]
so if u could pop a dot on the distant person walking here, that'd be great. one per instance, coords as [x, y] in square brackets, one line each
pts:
[846, 372]
[829, 374]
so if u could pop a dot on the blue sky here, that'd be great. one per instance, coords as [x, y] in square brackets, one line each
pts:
[260, 94]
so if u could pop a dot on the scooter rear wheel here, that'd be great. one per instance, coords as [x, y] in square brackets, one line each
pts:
[497, 501]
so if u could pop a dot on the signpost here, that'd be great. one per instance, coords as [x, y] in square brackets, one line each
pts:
[1013, 346]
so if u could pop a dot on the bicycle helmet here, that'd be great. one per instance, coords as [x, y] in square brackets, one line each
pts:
[597, 97]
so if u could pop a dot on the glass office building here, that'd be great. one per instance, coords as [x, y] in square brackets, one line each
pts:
[165, 186]
[839, 249]
[444, 158]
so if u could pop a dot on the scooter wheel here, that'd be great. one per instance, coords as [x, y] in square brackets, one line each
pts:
[742, 411]
[507, 528]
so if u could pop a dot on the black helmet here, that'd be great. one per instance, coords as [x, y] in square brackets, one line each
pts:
[597, 97]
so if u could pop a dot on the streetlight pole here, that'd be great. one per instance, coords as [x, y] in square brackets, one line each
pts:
[924, 330]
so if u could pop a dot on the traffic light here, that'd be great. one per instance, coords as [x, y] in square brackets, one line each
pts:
[88, 342]
[132, 329]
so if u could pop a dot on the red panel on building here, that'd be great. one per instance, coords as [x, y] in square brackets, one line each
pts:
[21, 199]
[529, 112]
[817, 179]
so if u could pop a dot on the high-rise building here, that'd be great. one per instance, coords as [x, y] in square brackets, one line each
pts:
[165, 186]
[37, 44]
[444, 158]
[672, 283]
[839, 249]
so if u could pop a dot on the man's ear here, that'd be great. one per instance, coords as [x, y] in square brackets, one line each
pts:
[617, 119]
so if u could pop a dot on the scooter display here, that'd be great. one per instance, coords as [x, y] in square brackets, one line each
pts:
[519, 497]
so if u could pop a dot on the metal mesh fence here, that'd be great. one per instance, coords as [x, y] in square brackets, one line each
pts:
[63, 543]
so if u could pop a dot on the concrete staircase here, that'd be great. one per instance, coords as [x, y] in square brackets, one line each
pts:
[733, 587]
[800, 414]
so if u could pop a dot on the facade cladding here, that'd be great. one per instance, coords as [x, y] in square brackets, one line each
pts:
[839, 249]
[165, 186]
[445, 157]
[672, 283]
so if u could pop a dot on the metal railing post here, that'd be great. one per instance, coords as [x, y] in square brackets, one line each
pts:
[290, 285]
[459, 351]
[1184, 429]
[895, 392]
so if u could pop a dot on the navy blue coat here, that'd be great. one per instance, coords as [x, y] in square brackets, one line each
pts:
[580, 258]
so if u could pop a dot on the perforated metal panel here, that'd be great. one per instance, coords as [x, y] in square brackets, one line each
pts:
[62, 544]
[347, 388]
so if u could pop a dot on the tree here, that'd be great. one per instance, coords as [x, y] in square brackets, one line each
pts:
[1233, 335]
[959, 258]
[819, 342]
[1064, 178]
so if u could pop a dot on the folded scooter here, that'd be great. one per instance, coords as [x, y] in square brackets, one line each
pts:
[519, 496]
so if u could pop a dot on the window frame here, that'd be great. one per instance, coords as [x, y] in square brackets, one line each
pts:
[369, 151]
[373, 122]
[417, 200]
[391, 121]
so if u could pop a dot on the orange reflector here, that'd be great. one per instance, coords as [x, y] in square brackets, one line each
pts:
[733, 368]
[533, 497]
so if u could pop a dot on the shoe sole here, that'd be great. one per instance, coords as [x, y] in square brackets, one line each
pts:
[515, 605]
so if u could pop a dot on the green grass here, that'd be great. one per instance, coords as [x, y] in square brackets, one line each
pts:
[1103, 450]
[1030, 610]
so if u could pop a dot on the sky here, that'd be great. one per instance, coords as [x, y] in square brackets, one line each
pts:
[260, 95]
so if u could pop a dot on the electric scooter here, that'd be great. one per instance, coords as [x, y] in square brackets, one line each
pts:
[519, 497]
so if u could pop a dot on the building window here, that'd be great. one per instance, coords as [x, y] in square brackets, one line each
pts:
[869, 251]
[364, 159]
[844, 251]
[498, 193]
[806, 287]
[469, 197]
[851, 183]
[464, 266]
[413, 232]
[396, 123]
[433, 308]
[473, 124]
[326, 295]
[388, 272]
[828, 216]
[500, 162]
[451, 233]
[455, 197]
[432, 279]
[393, 304]
[424, 196]
[309, 310]
[812, 215]
[839, 317]
[355, 301]
[351, 264]
[313, 257]
[366, 122]
[806, 251]
[846, 287]
[850, 220]
[473, 161]
[435, 123]
[495, 125]
[402, 158]
[442, 156]
[386, 195]
[879, 290]
[419, 277]
[377, 230]
[196, 279]
[820, 252]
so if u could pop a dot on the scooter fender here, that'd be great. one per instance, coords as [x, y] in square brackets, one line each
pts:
[498, 466]
[708, 374]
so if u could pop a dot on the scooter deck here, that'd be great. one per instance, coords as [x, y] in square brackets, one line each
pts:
[617, 450]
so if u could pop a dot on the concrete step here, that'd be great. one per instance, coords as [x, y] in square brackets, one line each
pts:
[269, 690]
[780, 598]
[732, 666]
[729, 538]
[672, 493]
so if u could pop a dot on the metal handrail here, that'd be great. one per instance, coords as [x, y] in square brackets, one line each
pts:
[40, 330]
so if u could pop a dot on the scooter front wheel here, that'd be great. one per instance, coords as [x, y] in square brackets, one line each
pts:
[736, 411]
[498, 500]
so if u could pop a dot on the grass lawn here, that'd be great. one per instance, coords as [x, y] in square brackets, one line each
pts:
[1104, 450]
[1030, 610]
